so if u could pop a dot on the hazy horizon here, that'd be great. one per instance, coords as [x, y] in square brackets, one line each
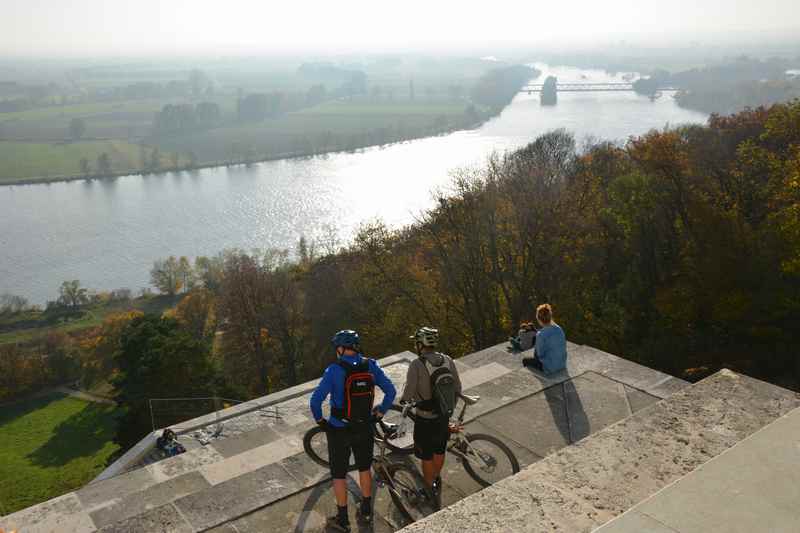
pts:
[183, 28]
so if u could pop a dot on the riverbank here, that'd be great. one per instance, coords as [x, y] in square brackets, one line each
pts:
[332, 126]
[297, 154]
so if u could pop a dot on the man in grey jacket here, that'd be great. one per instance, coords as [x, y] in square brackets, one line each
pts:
[431, 428]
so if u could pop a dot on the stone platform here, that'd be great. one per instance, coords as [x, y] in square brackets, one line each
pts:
[254, 476]
[583, 486]
[753, 486]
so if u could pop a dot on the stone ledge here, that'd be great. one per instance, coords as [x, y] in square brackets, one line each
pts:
[144, 446]
[753, 486]
[583, 486]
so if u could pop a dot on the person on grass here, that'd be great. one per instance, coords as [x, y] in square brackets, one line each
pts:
[350, 383]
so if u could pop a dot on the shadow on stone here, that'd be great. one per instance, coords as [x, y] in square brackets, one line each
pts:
[564, 396]
[310, 504]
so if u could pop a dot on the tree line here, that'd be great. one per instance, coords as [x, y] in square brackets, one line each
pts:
[728, 87]
[498, 87]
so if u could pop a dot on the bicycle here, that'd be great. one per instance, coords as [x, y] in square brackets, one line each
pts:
[404, 483]
[485, 458]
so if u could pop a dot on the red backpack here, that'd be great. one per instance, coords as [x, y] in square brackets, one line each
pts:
[359, 393]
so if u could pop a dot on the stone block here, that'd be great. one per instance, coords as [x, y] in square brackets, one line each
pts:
[108, 491]
[246, 441]
[150, 498]
[184, 463]
[593, 402]
[58, 515]
[304, 470]
[233, 498]
[538, 422]
[668, 387]
[250, 460]
[635, 522]
[638, 400]
[754, 486]
[164, 519]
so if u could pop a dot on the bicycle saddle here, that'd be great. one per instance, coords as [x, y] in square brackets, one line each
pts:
[470, 400]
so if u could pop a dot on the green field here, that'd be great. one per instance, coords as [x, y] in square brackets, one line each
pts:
[352, 123]
[31, 324]
[342, 119]
[51, 160]
[50, 446]
[405, 97]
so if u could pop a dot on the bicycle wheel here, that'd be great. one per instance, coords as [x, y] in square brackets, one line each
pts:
[407, 490]
[495, 462]
[402, 444]
[315, 443]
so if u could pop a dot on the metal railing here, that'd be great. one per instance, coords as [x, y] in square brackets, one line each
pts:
[166, 412]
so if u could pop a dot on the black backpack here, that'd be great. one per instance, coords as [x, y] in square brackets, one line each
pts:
[359, 393]
[443, 387]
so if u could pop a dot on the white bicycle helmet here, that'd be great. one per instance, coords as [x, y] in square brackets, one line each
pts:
[428, 337]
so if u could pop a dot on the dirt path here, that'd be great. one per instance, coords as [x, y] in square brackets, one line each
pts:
[85, 395]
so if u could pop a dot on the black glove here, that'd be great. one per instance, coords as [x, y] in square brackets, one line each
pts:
[323, 424]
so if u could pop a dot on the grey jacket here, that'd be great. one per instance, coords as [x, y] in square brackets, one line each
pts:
[418, 380]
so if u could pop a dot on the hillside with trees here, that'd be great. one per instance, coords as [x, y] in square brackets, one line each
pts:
[727, 87]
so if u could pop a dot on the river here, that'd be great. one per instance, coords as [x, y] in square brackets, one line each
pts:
[107, 233]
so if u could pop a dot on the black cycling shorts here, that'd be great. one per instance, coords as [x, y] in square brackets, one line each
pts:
[430, 437]
[342, 441]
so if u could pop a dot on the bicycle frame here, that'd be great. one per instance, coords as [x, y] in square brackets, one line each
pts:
[381, 476]
[459, 446]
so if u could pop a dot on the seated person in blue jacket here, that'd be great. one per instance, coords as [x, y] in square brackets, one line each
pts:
[550, 354]
[350, 384]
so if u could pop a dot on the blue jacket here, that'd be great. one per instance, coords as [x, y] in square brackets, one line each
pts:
[551, 348]
[332, 384]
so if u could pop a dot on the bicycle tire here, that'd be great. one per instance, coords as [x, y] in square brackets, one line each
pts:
[408, 486]
[406, 449]
[311, 450]
[512, 459]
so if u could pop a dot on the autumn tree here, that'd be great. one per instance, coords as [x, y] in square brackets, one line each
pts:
[172, 275]
[99, 345]
[72, 295]
[197, 314]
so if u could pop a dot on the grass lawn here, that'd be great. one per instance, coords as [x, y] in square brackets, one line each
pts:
[50, 446]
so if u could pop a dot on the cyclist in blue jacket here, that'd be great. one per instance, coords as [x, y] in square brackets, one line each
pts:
[349, 382]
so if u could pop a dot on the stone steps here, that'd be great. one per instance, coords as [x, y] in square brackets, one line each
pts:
[588, 483]
[753, 486]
